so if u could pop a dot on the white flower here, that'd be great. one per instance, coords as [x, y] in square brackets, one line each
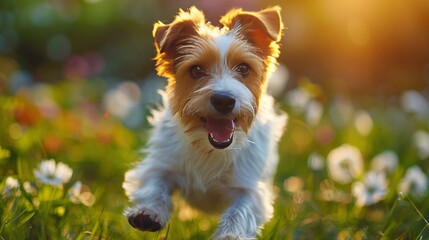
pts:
[278, 81]
[79, 193]
[122, 100]
[74, 192]
[421, 140]
[414, 102]
[371, 190]
[415, 182]
[363, 123]
[11, 184]
[30, 188]
[313, 112]
[345, 163]
[298, 98]
[316, 162]
[385, 162]
[53, 174]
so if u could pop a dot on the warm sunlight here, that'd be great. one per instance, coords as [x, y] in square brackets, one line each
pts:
[93, 145]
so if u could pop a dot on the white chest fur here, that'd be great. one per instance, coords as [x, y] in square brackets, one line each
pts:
[199, 176]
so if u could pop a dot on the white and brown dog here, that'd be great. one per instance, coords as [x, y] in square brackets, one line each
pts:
[216, 138]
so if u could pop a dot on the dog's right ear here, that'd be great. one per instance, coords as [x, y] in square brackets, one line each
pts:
[169, 36]
[159, 31]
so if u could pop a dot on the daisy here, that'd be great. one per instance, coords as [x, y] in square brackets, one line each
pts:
[421, 140]
[345, 163]
[313, 112]
[414, 182]
[122, 100]
[278, 81]
[11, 184]
[52, 173]
[298, 98]
[414, 102]
[316, 161]
[371, 190]
[74, 192]
[385, 162]
[363, 123]
[30, 188]
[79, 193]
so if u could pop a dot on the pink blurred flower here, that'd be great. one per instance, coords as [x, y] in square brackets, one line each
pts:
[82, 66]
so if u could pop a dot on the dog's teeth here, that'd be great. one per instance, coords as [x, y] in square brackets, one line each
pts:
[229, 139]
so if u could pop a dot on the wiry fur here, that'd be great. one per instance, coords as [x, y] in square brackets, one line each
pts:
[235, 180]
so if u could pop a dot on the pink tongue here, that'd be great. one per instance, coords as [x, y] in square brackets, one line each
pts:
[220, 129]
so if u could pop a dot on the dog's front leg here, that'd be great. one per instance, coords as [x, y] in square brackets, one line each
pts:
[152, 203]
[249, 210]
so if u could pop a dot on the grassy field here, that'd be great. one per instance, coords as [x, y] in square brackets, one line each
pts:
[347, 171]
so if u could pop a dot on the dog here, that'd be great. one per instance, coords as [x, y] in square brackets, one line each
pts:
[215, 139]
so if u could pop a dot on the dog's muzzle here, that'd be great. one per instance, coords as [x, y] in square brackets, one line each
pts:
[221, 128]
[223, 102]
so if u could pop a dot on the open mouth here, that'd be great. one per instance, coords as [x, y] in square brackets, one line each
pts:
[221, 131]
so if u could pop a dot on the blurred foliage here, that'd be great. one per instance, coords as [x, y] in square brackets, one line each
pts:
[73, 122]
[77, 83]
[46, 36]
[351, 47]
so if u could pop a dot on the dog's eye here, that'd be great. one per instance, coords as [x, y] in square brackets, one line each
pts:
[197, 72]
[242, 69]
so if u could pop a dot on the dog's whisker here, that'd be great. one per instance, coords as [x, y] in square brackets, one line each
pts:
[236, 148]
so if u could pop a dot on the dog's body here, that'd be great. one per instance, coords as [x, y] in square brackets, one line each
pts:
[216, 138]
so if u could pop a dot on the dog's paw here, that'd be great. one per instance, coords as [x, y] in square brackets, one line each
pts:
[145, 220]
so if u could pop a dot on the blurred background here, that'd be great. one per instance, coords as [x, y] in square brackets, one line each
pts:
[355, 48]
[77, 81]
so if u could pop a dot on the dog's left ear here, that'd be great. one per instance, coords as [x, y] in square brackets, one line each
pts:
[261, 28]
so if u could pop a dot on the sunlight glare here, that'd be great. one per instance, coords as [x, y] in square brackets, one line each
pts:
[358, 32]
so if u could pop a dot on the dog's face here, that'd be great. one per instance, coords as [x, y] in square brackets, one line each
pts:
[217, 75]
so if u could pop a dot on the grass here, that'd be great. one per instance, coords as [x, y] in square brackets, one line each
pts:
[74, 128]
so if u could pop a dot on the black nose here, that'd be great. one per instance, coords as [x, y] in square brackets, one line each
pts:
[222, 102]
